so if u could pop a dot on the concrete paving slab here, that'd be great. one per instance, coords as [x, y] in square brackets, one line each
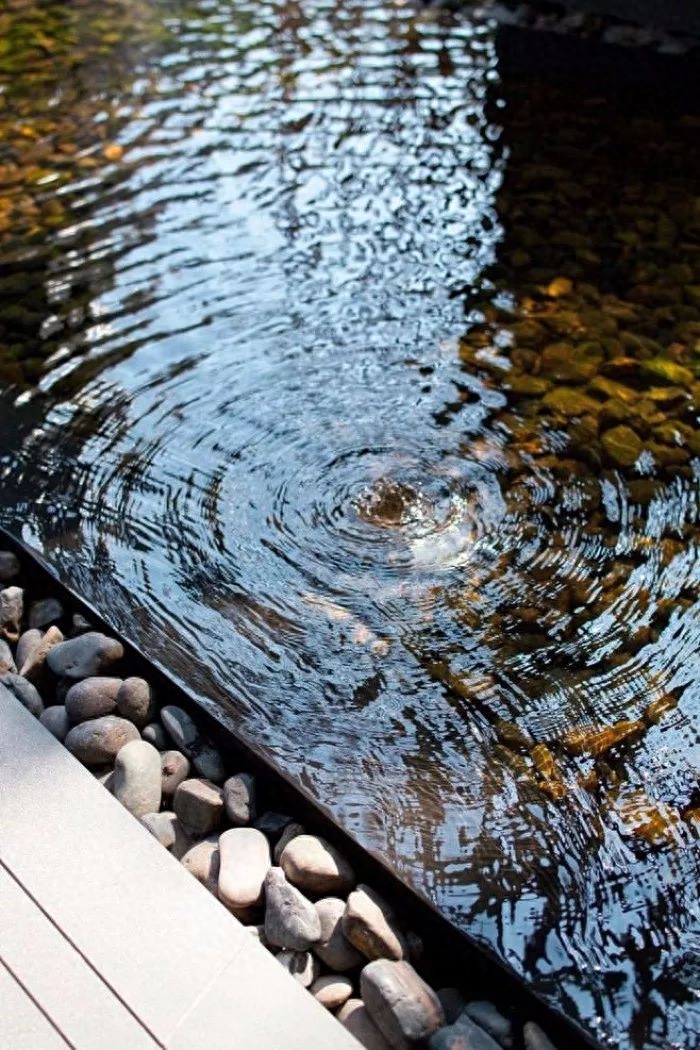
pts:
[22, 1024]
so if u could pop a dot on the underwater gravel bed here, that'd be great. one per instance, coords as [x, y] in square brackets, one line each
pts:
[298, 895]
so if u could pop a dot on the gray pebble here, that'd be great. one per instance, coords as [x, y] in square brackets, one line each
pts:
[88, 654]
[156, 735]
[333, 948]
[174, 768]
[291, 921]
[34, 666]
[92, 698]
[272, 824]
[492, 1021]
[289, 833]
[332, 991]
[100, 740]
[56, 720]
[7, 660]
[369, 923]
[463, 1035]
[161, 826]
[28, 643]
[11, 612]
[535, 1039]
[404, 1008]
[303, 966]
[239, 799]
[45, 612]
[203, 861]
[23, 691]
[180, 728]
[80, 624]
[315, 866]
[135, 701]
[355, 1017]
[9, 566]
[208, 763]
[199, 806]
[137, 778]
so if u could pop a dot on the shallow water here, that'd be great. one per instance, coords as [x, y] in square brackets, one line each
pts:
[317, 330]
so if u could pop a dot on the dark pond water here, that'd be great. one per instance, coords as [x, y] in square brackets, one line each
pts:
[356, 379]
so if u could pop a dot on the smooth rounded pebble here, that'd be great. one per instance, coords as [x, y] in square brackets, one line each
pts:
[135, 701]
[45, 612]
[23, 691]
[199, 806]
[55, 719]
[289, 833]
[355, 1017]
[169, 831]
[491, 1020]
[28, 642]
[239, 798]
[34, 666]
[209, 763]
[333, 948]
[92, 698]
[180, 728]
[291, 921]
[174, 768]
[535, 1039]
[245, 862]
[7, 660]
[332, 991]
[88, 654]
[302, 966]
[9, 566]
[136, 781]
[272, 824]
[404, 1008]
[369, 924]
[463, 1033]
[100, 740]
[315, 866]
[203, 860]
[11, 612]
[156, 735]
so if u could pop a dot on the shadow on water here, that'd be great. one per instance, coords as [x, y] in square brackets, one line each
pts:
[444, 569]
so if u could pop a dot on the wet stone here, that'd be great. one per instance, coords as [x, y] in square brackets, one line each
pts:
[404, 1008]
[369, 925]
[180, 728]
[302, 966]
[11, 612]
[100, 740]
[136, 781]
[28, 643]
[492, 1021]
[56, 720]
[316, 867]
[239, 799]
[45, 612]
[355, 1017]
[333, 947]
[23, 691]
[199, 805]
[245, 862]
[92, 698]
[332, 991]
[203, 861]
[89, 654]
[9, 566]
[291, 920]
[156, 735]
[135, 701]
[622, 445]
[7, 660]
[208, 763]
[464, 1034]
[272, 824]
[535, 1039]
[174, 769]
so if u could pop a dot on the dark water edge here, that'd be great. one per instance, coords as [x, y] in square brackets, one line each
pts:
[310, 389]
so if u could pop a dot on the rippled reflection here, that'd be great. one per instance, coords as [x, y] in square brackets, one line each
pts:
[356, 380]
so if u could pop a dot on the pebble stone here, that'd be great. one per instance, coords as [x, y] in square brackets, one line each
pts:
[369, 924]
[290, 832]
[199, 806]
[174, 768]
[24, 691]
[245, 862]
[156, 735]
[291, 921]
[137, 778]
[355, 1017]
[162, 826]
[464, 1033]
[303, 966]
[100, 740]
[28, 642]
[11, 612]
[88, 654]
[272, 824]
[239, 799]
[45, 612]
[208, 763]
[492, 1021]
[332, 991]
[34, 666]
[333, 948]
[535, 1039]
[404, 1008]
[55, 719]
[92, 698]
[203, 860]
[7, 660]
[135, 701]
[9, 566]
[180, 728]
[315, 866]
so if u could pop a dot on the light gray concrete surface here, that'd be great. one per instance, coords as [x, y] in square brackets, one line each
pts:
[107, 941]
